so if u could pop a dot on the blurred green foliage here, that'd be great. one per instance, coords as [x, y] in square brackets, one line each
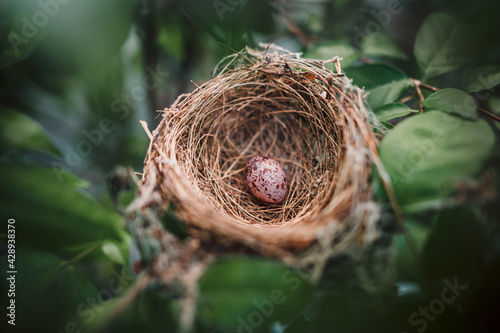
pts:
[77, 76]
[266, 292]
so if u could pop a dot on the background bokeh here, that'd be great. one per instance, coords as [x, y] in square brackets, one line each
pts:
[76, 77]
[72, 64]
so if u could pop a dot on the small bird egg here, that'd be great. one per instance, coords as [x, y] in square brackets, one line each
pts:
[266, 179]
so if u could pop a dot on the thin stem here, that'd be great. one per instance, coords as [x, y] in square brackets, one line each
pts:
[129, 297]
[366, 60]
[417, 84]
[489, 114]
[407, 98]
[426, 86]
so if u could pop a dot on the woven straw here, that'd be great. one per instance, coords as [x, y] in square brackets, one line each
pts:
[273, 103]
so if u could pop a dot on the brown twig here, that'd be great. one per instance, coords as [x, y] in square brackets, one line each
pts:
[282, 11]
[366, 60]
[407, 98]
[417, 84]
[489, 114]
[426, 86]
[189, 300]
[129, 297]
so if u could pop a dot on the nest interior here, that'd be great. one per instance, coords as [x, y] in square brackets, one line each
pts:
[308, 118]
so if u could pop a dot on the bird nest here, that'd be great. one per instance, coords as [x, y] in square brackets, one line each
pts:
[308, 118]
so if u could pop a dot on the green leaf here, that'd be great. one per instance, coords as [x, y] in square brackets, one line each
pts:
[37, 270]
[456, 244]
[171, 38]
[150, 311]
[481, 78]
[332, 49]
[494, 103]
[53, 213]
[172, 223]
[20, 45]
[22, 132]
[406, 267]
[384, 83]
[249, 294]
[117, 251]
[47, 295]
[73, 288]
[453, 101]
[426, 155]
[392, 111]
[361, 311]
[443, 44]
[381, 45]
[387, 125]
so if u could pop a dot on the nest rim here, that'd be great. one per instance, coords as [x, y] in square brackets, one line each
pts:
[342, 205]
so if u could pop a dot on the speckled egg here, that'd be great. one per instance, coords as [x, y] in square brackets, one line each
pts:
[266, 179]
